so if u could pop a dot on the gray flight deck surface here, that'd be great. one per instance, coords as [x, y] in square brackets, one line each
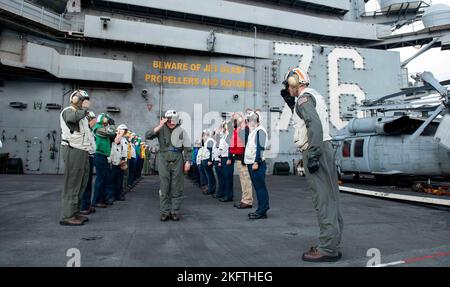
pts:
[211, 233]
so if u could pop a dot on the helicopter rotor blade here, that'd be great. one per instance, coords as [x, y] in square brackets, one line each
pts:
[422, 127]
[410, 90]
[430, 79]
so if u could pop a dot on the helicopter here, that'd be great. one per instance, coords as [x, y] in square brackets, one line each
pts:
[405, 138]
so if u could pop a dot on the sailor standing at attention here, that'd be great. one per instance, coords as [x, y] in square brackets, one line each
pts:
[254, 158]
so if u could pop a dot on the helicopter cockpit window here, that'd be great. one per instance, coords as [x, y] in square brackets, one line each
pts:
[346, 149]
[359, 148]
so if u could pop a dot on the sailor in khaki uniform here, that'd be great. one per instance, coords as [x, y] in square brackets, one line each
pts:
[312, 137]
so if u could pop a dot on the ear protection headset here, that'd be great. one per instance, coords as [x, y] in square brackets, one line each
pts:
[293, 80]
[74, 99]
[257, 117]
[251, 115]
[295, 77]
[90, 115]
[77, 96]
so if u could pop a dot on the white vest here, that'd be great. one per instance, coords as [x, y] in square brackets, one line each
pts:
[216, 152]
[205, 150]
[250, 148]
[93, 144]
[79, 140]
[203, 153]
[223, 146]
[118, 151]
[124, 144]
[133, 150]
[199, 156]
[300, 131]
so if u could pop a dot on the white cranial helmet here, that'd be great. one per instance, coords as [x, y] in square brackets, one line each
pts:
[295, 77]
[172, 115]
[122, 127]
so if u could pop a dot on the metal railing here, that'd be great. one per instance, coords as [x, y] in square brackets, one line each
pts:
[36, 14]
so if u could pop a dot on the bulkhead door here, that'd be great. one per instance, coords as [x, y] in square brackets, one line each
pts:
[33, 156]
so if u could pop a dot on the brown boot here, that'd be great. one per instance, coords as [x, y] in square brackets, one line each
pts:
[314, 255]
[82, 218]
[242, 205]
[92, 209]
[71, 222]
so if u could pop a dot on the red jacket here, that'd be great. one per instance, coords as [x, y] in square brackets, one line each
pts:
[236, 144]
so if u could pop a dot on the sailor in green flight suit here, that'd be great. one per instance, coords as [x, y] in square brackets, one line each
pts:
[174, 146]
[312, 137]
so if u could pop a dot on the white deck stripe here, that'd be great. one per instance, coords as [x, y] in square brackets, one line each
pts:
[390, 264]
[444, 202]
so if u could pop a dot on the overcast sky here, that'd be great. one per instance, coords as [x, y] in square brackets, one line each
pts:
[434, 60]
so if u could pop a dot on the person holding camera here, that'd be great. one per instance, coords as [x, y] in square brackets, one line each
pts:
[75, 146]
[312, 137]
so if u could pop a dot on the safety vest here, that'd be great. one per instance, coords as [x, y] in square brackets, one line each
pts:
[208, 142]
[300, 131]
[128, 150]
[79, 140]
[132, 150]
[250, 148]
[203, 152]
[93, 144]
[215, 151]
[223, 146]
[199, 156]
[118, 151]
[142, 151]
